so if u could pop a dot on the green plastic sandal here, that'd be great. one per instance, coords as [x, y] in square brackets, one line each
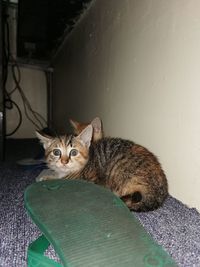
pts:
[88, 226]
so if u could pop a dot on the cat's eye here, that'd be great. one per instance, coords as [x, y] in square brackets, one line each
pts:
[57, 152]
[73, 153]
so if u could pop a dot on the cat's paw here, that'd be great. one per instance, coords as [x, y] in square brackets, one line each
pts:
[45, 178]
[47, 175]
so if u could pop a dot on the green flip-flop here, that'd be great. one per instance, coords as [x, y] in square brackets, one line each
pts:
[88, 226]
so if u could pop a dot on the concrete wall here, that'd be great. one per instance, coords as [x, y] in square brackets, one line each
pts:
[136, 64]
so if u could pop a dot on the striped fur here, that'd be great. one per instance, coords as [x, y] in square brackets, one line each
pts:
[131, 171]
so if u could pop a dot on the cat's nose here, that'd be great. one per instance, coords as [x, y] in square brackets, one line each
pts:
[64, 160]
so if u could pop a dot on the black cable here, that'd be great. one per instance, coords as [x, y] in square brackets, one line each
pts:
[16, 74]
[26, 103]
[20, 117]
[16, 77]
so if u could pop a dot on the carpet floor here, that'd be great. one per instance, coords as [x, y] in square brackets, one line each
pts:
[174, 226]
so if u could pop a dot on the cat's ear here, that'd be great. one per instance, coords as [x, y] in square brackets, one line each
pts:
[97, 128]
[74, 124]
[45, 139]
[86, 135]
[97, 124]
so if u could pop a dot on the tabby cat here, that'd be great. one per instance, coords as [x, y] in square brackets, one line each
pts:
[128, 169]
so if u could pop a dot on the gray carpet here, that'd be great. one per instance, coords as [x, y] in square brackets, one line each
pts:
[174, 226]
[177, 229]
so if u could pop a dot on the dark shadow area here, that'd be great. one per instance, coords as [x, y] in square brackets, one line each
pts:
[18, 149]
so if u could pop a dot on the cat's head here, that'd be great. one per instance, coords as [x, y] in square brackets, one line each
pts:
[67, 154]
[96, 124]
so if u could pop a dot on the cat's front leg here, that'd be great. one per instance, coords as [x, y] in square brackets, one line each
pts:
[48, 175]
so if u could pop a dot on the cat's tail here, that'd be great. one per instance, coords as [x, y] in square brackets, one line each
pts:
[136, 202]
[145, 198]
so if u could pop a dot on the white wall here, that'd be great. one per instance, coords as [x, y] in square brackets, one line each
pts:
[136, 63]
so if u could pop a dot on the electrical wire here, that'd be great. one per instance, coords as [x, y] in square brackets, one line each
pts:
[20, 117]
[26, 103]
[34, 117]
